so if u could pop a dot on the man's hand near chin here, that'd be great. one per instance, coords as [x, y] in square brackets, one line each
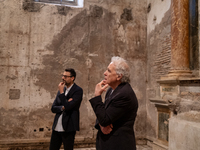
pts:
[100, 88]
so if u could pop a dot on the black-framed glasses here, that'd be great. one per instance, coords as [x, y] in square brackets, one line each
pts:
[65, 76]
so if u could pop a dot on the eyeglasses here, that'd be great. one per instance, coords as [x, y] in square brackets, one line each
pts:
[66, 76]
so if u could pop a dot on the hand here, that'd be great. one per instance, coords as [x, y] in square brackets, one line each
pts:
[61, 87]
[69, 100]
[63, 108]
[107, 129]
[100, 88]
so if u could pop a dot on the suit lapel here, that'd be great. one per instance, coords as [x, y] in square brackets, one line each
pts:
[107, 98]
[111, 96]
[71, 91]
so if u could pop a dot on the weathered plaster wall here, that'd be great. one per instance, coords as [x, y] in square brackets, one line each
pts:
[38, 41]
[189, 139]
[199, 32]
[159, 64]
[159, 55]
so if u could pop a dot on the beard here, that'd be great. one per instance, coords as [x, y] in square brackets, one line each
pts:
[66, 83]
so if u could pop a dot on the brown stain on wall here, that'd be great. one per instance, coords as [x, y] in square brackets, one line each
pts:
[127, 14]
[30, 6]
[82, 35]
[63, 10]
[94, 32]
[25, 124]
[87, 42]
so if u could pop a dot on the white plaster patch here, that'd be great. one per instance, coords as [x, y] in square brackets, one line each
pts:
[88, 63]
[121, 34]
[80, 4]
[184, 127]
[93, 55]
[158, 10]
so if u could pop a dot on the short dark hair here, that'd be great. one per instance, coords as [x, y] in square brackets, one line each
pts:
[72, 72]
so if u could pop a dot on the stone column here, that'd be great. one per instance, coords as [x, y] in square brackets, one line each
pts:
[180, 39]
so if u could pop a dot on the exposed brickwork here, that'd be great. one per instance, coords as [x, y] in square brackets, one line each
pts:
[163, 57]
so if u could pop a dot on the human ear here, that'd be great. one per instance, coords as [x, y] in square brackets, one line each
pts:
[119, 77]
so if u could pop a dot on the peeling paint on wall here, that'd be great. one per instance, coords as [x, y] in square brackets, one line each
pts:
[30, 6]
[63, 10]
[71, 47]
[127, 14]
[159, 61]
[41, 40]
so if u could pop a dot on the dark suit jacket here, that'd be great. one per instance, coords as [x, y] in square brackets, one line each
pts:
[119, 109]
[70, 119]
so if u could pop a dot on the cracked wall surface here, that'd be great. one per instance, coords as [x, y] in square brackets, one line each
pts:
[158, 57]
[38, 41]
[159, 63]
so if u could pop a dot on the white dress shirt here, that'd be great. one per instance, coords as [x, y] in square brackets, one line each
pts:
[59, 126]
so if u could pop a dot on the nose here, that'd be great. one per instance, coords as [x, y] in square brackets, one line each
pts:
[105, 73]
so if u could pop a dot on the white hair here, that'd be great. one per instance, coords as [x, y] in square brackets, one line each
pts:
[121, 68]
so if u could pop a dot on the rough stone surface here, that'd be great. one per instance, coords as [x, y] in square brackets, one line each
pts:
[38, 41]
[183, 94]
[159, 56]
[184, 131]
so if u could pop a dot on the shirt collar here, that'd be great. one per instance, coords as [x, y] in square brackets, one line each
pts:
[67, 89]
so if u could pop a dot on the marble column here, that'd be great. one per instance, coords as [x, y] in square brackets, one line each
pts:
[180, 39]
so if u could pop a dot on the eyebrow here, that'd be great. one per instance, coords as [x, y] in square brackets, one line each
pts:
[108, 70]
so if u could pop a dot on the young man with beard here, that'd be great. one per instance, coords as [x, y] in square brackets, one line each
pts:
[66, 107]
[115, 117]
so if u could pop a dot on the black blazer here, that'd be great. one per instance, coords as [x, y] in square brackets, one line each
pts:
[70, 119]
[120, 110]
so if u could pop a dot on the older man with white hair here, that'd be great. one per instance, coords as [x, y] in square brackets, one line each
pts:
[116, 116]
